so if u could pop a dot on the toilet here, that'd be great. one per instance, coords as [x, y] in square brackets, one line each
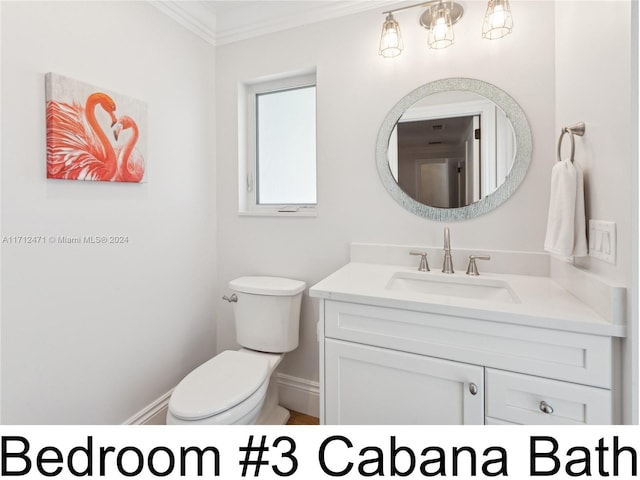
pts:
[239, 386]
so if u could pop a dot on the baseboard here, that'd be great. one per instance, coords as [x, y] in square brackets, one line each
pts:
[299, 394]
[153, 414]
[295, 394]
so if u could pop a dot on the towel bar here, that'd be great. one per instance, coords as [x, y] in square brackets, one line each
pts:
[577, 129]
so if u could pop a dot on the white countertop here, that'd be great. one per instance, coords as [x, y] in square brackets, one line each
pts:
[542, 302]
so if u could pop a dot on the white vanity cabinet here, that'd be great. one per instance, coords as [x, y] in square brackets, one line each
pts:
[383, 365]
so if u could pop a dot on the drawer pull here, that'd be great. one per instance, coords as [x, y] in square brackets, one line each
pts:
[473, 388]
[546, 408]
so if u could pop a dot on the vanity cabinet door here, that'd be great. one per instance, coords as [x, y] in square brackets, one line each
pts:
[372, 385]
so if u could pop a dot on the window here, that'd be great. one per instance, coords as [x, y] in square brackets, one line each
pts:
[280, 162]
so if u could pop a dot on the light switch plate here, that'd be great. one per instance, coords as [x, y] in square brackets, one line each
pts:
[602, 240]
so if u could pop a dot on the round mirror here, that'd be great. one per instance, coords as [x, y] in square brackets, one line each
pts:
[453, 149]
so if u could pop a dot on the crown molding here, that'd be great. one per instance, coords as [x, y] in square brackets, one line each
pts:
[192, 15]
[202, 21]
[311, 15]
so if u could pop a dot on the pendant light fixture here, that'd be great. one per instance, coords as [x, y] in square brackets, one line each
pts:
[441, 30]
[439, 18]
[498, 21]
[391, 39]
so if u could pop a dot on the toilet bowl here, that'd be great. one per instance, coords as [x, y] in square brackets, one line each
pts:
[239, 387]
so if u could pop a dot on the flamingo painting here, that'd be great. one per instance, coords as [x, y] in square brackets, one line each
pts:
[81, 121]
[130, 162]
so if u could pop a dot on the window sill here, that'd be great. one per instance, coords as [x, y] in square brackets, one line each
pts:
[276, 213]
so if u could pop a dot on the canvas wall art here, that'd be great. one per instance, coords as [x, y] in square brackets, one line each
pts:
[94, 134]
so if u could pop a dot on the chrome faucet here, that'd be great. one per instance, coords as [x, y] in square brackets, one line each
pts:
[447, 264]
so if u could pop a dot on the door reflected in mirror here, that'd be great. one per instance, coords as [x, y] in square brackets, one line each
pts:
[493, 166]
[451, 149]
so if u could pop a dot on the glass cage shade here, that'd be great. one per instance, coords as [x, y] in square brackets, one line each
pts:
[391, 39]
[441, 28]
[498, 21]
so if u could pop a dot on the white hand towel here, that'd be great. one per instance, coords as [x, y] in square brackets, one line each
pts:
[566, 233]
[580, 248]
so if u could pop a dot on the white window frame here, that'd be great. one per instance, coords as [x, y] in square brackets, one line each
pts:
[247, 148]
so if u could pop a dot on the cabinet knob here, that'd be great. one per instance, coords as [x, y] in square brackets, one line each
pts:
[546, 408]
[473, 389]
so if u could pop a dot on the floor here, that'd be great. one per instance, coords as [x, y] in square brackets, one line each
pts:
[297, 418]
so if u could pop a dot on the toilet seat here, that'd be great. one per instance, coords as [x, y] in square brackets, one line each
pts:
[230, 379]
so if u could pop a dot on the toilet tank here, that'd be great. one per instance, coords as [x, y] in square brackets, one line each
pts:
[267, 313]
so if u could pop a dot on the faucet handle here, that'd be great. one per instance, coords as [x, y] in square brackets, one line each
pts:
[424, 265]
[472, 269]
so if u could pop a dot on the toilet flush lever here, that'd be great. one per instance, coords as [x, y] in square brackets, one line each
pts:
[232, 299]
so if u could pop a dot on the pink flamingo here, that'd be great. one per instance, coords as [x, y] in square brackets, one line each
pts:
[77, 148]
[130, 161]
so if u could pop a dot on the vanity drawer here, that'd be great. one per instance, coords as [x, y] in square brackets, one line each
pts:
[575, 357]
[525, 399]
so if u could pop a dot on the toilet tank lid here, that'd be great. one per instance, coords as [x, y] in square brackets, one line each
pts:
[267, 285]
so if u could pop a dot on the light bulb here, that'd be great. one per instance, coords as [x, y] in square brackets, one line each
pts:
[440, 29]
[497, 19]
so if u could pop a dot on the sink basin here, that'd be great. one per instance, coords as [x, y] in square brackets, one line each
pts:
[476, 288]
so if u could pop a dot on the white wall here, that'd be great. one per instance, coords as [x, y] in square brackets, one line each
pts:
[595, 62]
[356, 89]
[92, 334]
